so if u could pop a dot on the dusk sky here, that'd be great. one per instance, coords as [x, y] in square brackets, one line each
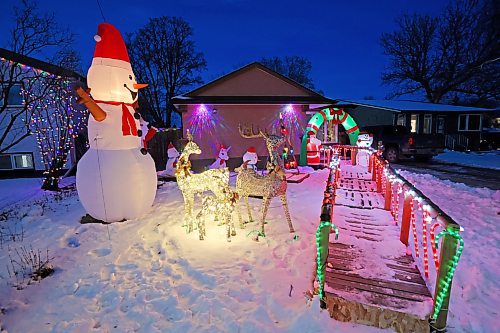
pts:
[341, 38]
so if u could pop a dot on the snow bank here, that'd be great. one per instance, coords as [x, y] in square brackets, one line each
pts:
[476, 287]
[490, 159]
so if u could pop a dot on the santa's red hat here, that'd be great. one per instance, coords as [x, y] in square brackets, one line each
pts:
[110, 46]
[252, 150]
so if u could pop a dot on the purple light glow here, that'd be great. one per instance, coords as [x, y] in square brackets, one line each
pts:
[291, 120]
[203, 120]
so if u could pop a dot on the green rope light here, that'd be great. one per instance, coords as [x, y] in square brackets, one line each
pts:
[320, 274]
[446, 281]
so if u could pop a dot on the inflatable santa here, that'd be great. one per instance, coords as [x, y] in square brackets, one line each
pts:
[251, 157]
[313, 150]
[115, 181]
[147, 132]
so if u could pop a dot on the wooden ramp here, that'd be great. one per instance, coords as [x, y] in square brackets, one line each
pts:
[369, 277]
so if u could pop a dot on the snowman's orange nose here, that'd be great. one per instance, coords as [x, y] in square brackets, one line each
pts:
[140, 85]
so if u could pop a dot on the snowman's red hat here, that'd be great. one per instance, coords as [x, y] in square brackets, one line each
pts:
[252, 150]
[170, 146]
[110, 48]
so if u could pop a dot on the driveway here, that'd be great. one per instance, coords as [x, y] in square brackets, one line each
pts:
[472, 176]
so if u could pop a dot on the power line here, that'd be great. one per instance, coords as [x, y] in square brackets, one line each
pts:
[102, 14]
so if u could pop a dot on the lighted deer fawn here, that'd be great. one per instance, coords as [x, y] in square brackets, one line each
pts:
[215, 180]
[273, 144]
[273, 184]
[222, 206]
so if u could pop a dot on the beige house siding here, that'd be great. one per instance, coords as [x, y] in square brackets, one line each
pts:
[225, 129]
[253, 82]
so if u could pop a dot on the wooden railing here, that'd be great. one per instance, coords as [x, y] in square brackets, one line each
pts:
[393, 186]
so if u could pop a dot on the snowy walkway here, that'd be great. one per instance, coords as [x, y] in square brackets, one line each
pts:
[368, 264]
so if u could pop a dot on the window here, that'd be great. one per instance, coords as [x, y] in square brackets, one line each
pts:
[469, 122]
[16, 161]
[23, 161]
[414, 123]
[5, 162]
[428, 124]
[401, 120]
[15, 96]
[440, 125]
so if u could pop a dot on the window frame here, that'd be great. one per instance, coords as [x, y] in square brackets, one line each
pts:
[427, 116]
[467, 121]
[14, 84]
[401, 116]
[438, 119]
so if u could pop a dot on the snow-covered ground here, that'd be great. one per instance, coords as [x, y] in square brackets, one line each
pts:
[148, 275]
[489, 159]
[475, 298]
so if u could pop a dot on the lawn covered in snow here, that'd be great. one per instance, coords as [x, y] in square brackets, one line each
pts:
[148, 275]
[487, 159]
[475, 298]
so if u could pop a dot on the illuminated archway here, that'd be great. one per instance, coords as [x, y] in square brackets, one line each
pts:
[338, 116]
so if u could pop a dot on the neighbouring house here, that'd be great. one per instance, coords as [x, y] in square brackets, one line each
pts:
[464, 127]
[252, 95]
[24, 158]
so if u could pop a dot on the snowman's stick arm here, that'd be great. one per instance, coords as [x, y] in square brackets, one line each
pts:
[85, 99]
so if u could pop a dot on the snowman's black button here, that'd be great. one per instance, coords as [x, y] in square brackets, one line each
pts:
[139, 132]
[149, 126]
[144, 151]
[137, 115]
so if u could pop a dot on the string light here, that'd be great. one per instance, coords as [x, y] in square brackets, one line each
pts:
[433, 244]
[445, 283]
[413, 225]
[320, 271]
[425, 220]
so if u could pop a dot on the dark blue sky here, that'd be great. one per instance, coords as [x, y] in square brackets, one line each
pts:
[339, 37]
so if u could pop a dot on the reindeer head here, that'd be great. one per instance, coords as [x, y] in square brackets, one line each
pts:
[273, 141]
[191, 147]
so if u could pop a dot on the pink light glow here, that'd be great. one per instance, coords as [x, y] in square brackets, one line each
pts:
[203, 120]
[291, 120]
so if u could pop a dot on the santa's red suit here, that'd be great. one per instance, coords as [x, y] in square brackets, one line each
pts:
[313, 147]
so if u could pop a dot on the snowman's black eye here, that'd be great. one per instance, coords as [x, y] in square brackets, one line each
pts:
[130, 77]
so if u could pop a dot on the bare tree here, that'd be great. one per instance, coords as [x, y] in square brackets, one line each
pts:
[294, 67]
[163, 55]
[454, 54]
[32, 33]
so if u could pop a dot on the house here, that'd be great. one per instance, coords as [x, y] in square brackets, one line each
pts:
[252, 95]
[464, 127]
[19, 151]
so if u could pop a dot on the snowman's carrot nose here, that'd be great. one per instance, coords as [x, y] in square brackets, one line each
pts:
[140, 85]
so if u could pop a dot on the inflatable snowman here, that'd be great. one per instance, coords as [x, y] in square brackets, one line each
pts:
[114, 179]
[173, 156]
[365, 140]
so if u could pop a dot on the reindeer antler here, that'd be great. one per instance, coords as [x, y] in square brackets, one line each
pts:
[248, 132]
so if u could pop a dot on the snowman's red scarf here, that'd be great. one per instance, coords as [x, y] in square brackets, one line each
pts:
[128, 122]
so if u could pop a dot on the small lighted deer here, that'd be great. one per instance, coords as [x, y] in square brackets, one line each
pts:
[223, 156]
[223, 207]
[273, 144]
[215, 180]
[273, 184]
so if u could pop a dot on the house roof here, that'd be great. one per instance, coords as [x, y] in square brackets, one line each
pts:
[208, 93]
[398, 106]
[39, 64]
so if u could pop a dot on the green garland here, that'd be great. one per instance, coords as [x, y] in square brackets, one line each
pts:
[446, 281]
[320, 275]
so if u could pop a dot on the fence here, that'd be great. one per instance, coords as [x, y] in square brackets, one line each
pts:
[400, 198]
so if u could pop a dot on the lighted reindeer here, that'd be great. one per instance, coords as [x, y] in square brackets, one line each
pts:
[220, 162]
[222, 206]
[273, 184]
[215, 180]
[273, 144]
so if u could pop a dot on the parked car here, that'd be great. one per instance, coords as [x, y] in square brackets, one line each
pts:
[398, 142]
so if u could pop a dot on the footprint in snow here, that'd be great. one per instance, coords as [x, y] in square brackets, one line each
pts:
[100, 252]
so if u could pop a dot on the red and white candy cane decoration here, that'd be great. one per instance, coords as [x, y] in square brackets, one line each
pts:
[426, 219]
[413, 226]
[433, 243]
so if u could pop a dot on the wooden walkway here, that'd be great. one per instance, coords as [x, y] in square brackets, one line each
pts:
[369, 277]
